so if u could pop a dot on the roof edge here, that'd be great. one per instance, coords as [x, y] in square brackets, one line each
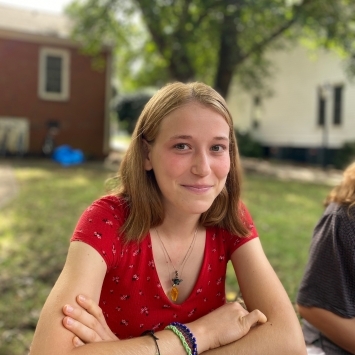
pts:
[36, 38]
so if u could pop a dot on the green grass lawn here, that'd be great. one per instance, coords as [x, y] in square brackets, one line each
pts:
[285, 214]
[35, 229]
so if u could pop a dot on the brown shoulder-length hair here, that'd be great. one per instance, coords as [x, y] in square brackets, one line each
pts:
[344, 193]
[138, 188]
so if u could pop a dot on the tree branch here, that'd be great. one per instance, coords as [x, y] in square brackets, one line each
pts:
[171, 47]
[206, 13]
[261, 45]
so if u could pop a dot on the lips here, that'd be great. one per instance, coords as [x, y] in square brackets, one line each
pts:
[198, 188]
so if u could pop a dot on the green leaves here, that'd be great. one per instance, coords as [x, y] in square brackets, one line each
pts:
[209, 40]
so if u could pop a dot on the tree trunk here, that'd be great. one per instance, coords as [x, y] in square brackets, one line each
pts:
[229, 53]
[180, 67]
[171, 47]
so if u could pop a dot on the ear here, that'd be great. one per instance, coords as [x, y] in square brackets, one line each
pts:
[147, 153]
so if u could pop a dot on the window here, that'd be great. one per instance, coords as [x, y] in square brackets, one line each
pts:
[321, 108]
[256, 111]
[54, 74]
[330, 97]
[338, 95]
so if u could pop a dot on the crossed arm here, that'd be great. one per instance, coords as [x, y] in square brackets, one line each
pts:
[261, 289]
[226, 330]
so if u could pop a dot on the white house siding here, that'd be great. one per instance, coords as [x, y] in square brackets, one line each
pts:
[289, 117]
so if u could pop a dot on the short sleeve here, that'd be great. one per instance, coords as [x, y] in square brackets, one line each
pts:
[234, 241]
[328, 281]
[98, 227]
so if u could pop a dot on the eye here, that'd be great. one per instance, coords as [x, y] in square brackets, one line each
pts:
[181, 146]
[218, 148]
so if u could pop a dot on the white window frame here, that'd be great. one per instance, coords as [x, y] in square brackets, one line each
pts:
[65, 55]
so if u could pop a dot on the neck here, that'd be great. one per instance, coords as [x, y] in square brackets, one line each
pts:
[178, 229]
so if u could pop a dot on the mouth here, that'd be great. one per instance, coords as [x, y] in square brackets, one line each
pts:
[198, 188]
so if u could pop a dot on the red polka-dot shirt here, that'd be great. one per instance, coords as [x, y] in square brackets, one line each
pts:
[132, 298]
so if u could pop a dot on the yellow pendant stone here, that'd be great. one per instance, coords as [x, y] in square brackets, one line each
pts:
[174, 293]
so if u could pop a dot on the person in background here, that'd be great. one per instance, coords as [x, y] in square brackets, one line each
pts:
[146, 267]
[326, 297]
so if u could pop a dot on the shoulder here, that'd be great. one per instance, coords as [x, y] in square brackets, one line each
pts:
[246, 218]
[234, 241]
[334, 233]
[331, 215]
[99, 226]
[112, 207]
[108, 212]
[337, 218]
[111, 203]
[335, 209]
[340, 211]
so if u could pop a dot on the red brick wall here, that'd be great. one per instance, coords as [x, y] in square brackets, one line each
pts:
[81, 118]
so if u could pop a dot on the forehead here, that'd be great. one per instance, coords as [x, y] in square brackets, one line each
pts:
[194, 114]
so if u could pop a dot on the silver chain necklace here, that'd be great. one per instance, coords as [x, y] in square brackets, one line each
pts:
[176, 280]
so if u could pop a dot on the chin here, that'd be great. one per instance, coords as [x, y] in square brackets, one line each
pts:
[199, 208]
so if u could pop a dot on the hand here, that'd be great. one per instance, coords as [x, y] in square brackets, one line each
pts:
[224, 325]
[86, 322]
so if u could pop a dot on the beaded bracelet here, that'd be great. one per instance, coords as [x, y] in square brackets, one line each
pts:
[188, 336]
[181, 337]
[184, 334]
[155, 338]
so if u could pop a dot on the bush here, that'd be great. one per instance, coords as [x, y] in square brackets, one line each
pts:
[248, 146]
[129, 107]
[345, 155]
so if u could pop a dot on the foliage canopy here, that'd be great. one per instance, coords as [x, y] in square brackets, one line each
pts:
[209, 40]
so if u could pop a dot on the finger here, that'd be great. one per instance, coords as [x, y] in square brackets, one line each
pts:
[254, 317]
[77, 342]
[93, 308]
[86, 320]
[84, 333]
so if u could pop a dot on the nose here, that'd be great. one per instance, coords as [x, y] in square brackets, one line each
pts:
[201, 164]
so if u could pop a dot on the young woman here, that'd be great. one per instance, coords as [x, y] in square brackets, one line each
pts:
[326, 298]
[153, 254]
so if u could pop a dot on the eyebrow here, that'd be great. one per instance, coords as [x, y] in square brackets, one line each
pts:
[184, 136]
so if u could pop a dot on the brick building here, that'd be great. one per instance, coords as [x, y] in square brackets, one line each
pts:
[46, 83]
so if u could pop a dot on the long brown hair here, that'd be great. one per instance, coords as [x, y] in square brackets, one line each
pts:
[138, 188]
[344, 193]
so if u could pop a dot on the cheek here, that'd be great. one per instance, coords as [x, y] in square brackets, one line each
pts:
[223, 168]
[173, 165]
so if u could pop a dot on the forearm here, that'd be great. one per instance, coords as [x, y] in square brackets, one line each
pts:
[168, 342]
[261, 289]
[340, 331]
[266, 339]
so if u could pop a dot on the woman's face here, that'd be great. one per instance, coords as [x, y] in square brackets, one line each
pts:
[190, 158]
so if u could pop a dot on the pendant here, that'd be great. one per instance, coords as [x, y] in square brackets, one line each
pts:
[176, 280]
[174, 293]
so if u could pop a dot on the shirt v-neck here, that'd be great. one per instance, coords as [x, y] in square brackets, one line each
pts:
[157, 279]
